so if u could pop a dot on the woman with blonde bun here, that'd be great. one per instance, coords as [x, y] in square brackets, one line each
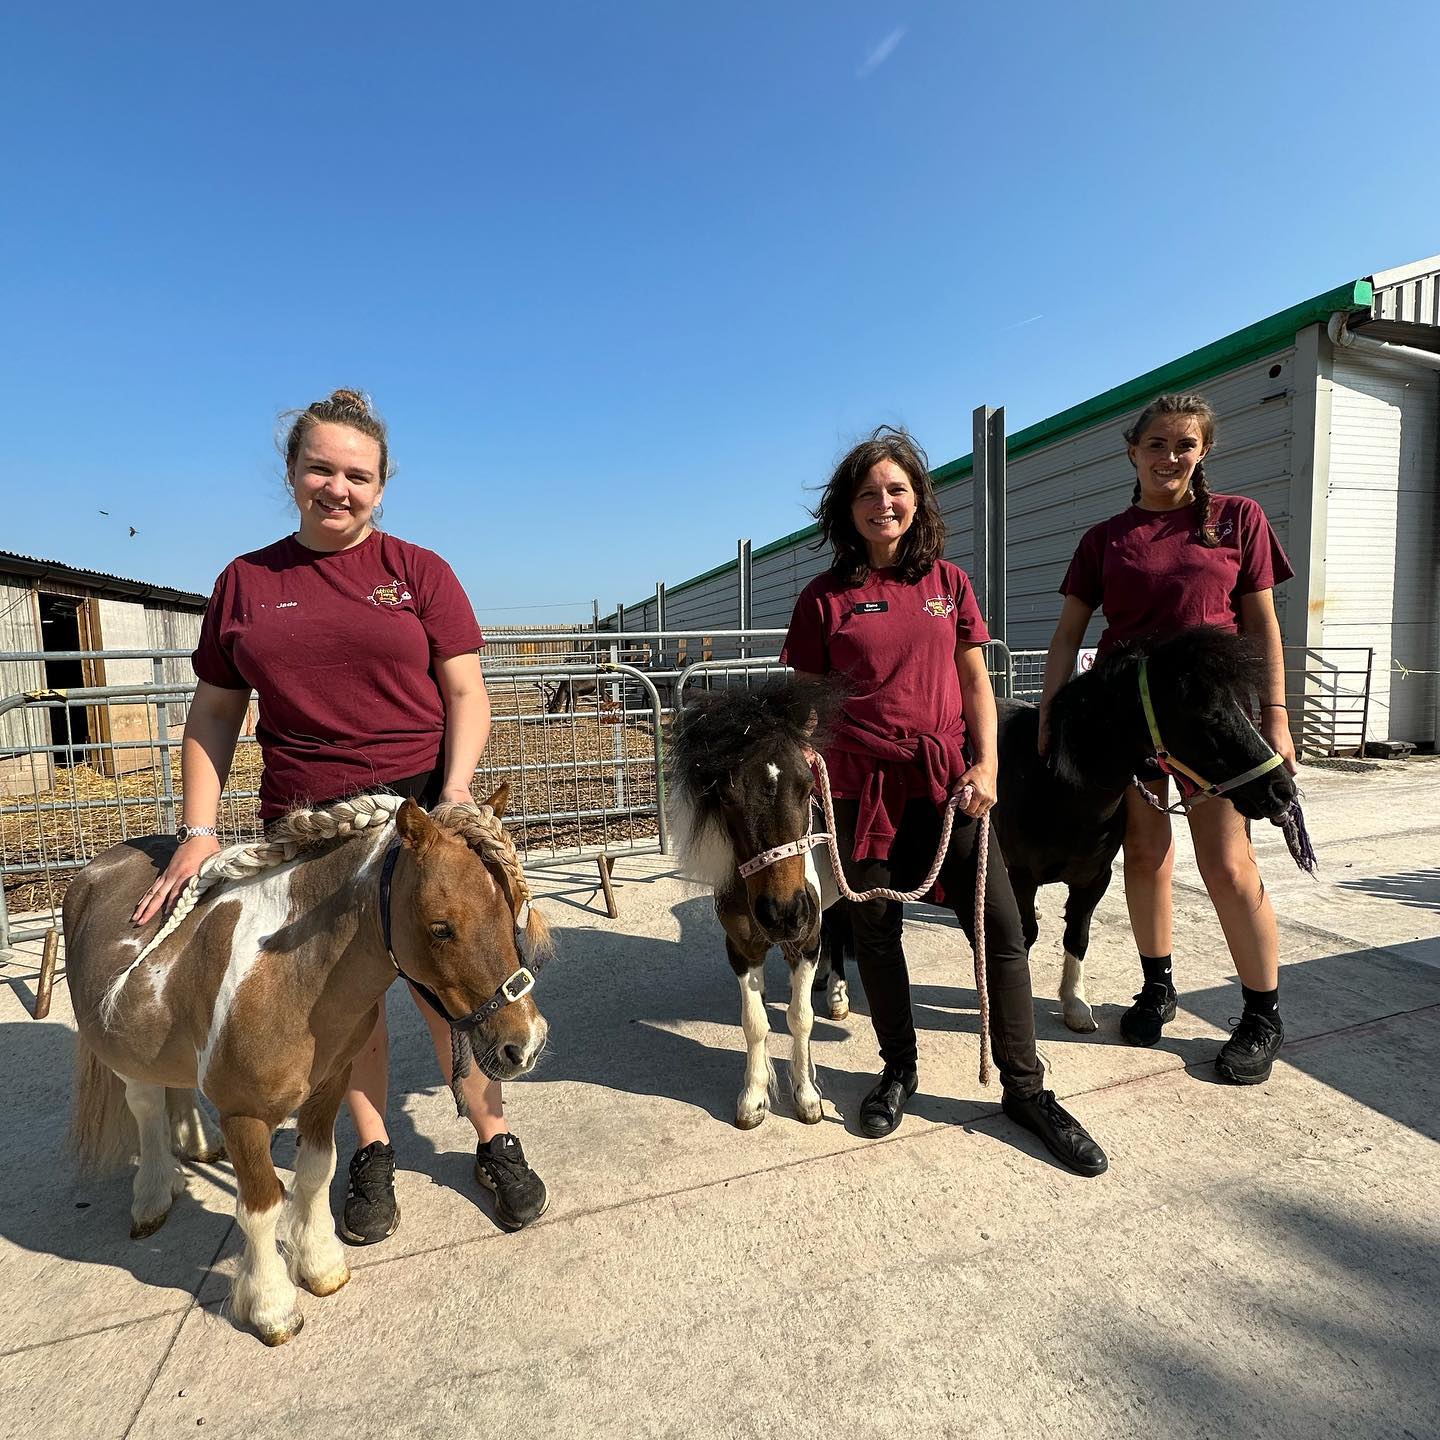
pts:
[363, 651]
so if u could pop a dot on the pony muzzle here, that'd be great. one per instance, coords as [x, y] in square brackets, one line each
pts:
[786, 910]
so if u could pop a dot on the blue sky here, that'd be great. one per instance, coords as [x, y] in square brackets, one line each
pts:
[626, 279]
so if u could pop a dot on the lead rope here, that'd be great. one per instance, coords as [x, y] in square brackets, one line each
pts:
[982, 868]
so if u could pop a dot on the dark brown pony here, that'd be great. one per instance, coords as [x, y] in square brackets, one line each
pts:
[261, 988]
[738, 787]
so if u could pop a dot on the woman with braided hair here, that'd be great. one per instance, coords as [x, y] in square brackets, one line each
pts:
[1181, 556]
[364, 653]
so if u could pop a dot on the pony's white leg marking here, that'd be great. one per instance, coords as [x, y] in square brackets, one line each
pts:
[192, 1133]
[837, 996]
[265, 903]
[1073, 1004]
[317, 1259]
[263, 1295]
[754, 1099]
[159, 1179]
[802, 1068]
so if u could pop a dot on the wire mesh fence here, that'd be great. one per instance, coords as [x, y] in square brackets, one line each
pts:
[578, 734]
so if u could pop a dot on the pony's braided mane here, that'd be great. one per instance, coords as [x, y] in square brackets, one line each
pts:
[297, 831]
[480, 828]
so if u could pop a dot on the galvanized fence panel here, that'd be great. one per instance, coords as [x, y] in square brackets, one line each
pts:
[1327, 691]
[578, 721]
[585, 780]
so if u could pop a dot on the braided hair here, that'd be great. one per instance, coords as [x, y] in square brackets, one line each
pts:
[1200, 410]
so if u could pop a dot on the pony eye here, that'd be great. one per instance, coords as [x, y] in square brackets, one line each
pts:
[441, 930]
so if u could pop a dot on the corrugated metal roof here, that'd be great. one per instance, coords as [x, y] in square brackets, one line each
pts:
[34, 567]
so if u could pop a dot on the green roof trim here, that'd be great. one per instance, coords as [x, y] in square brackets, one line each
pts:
[1199, 365]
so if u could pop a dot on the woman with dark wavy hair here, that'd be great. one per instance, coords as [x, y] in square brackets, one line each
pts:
[900, 625]
[1181, 556]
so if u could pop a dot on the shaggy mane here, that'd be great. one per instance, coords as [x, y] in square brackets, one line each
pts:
[1199, 666]
[711, 737]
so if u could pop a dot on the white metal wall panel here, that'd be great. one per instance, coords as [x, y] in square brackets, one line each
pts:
[713, 603]
[1411, 292]
[1382, 573]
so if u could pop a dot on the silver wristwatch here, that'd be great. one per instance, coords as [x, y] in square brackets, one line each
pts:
[186, 832]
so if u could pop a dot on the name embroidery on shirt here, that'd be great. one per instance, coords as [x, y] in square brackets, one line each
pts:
[392, 594]
[940, 605]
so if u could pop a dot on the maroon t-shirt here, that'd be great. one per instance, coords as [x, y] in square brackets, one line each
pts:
[902, 732]
[341, 650]
[1149, 572]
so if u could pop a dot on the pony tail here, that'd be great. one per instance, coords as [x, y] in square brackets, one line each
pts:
[1204, 528]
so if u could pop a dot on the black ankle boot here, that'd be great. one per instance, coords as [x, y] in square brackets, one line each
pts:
[1057, 1129]
[881, 1109]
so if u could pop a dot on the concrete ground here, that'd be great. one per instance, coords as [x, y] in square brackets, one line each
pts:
[1256, 1262]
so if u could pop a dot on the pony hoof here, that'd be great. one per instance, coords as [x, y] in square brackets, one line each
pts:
[212, 1156]
[840, 1010]
[1081, 1021]
[288, 1331]
[811, 1113]
[749, 1119]
[327, 1284]
[142, 1229]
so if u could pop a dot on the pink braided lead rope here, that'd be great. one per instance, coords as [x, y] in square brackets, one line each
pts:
[982, 867]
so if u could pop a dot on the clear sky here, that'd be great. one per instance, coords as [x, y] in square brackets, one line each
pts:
[625, 279]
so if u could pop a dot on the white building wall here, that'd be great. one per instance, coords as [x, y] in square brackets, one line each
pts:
[1382, 572]
[24, 727]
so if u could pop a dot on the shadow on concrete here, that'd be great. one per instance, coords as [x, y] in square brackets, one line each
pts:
[57, 1212]
[1371, 1351]
[1420, 888]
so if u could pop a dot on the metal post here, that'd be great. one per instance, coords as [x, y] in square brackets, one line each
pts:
[987, 525]
[617, 698]
[742, 572]
[620, 621]
[660, 624]
[1365, 708]
[162, 724]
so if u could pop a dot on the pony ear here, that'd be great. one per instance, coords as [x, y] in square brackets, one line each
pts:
[416, 828]
[500, 799]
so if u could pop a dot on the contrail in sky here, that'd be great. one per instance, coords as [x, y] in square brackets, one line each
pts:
[880, 54]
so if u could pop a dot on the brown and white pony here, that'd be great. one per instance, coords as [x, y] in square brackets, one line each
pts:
[262, 986]
[738, 787]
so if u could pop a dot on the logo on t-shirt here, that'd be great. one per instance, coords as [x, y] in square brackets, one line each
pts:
[394, 593]
[940, 605]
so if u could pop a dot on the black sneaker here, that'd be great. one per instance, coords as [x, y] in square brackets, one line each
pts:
[1154, 1007]
[1246, 1057]
[881, 1109]
[370, 1212]
[520, 1194]
[1057, 1129]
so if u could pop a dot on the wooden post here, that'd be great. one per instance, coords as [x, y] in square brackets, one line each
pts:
[46, 982]
[611, 908]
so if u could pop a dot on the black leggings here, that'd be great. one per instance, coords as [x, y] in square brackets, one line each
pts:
[880, 953]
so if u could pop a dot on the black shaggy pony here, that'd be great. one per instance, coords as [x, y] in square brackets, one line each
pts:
[1061, 819]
